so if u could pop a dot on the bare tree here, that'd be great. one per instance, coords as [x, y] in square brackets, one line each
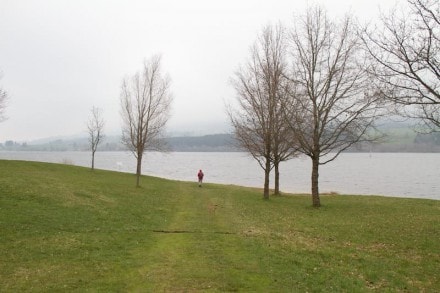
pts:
[260, 86]
[95, 127]
[406, 51]
[145, 105]
[330, 108]
[3, 99]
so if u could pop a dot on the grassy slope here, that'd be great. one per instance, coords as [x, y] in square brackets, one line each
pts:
[67, 228]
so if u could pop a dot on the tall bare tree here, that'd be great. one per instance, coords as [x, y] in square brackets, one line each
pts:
[331, 107]
[3, 99]
[95, 127]
[145, 106]
[260, 85]
[406, 51]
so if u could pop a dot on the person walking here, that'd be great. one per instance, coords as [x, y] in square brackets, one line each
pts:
[200, 176]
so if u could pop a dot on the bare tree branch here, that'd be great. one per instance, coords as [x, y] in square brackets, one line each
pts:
[3, 102]
[406, 52]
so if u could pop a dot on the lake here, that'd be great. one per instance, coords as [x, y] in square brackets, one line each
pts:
[389, 174]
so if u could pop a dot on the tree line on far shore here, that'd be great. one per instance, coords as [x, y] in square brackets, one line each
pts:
[398, 139]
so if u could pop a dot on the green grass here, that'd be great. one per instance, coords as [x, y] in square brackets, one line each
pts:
[65, 228]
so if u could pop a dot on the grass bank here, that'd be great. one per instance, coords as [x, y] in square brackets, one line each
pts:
[65, 228]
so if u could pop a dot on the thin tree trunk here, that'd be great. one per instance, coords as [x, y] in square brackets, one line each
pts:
[277, 178]
[315, 181]
[93, 160]
[138, 169]
[266, 179]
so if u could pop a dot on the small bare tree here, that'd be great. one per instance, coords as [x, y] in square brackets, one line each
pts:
[406, 51]
[145, 106]
[3, 100]
[95, 127]
[260, 87]
[331, 107]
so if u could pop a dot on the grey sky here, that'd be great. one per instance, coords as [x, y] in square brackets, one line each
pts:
[60, 57]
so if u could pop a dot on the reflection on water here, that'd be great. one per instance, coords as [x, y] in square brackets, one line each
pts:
[391, 174]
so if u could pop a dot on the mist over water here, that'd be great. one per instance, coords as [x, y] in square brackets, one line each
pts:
[389, 174]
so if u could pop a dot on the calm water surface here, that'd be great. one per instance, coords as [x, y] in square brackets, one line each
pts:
[388, 174]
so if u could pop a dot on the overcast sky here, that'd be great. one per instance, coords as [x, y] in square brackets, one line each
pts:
[59, 58]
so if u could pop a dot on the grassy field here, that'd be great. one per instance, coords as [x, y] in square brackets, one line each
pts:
[65, 228]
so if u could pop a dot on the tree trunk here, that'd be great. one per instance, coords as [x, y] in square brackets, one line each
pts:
[315, 181]
[277, 178]
[266, 179]
[93, 160]
[138, 169]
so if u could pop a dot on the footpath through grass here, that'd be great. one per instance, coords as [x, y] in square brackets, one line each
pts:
[65, 228]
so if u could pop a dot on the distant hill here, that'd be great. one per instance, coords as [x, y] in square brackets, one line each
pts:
[400, 137]
[206, 143]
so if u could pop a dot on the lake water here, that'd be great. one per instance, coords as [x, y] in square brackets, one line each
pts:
[389, 174]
